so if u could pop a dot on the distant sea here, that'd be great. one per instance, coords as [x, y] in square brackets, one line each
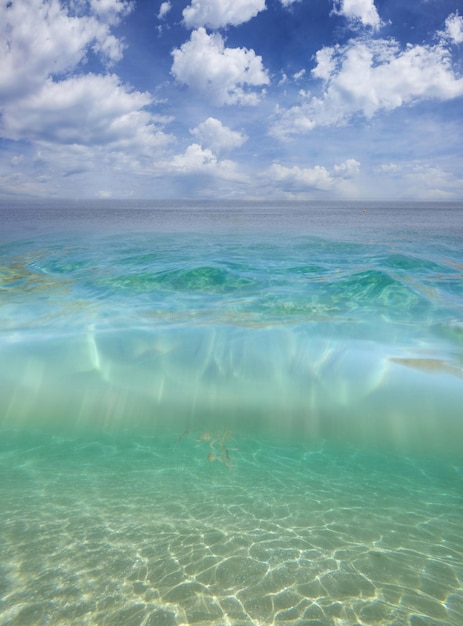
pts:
[224, 413]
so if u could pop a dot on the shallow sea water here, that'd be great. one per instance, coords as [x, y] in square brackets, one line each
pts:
[234, 414]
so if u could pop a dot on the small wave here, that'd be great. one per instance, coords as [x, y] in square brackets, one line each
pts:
[412, 264]
[376, 288]
[206, 279]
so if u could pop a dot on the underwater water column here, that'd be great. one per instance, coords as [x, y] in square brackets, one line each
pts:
[232, 425]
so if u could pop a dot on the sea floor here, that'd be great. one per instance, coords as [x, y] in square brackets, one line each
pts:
[214, 528]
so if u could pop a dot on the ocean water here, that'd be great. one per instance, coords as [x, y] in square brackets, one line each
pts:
[231, 414]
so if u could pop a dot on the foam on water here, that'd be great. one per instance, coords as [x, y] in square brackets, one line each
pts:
[229, 417]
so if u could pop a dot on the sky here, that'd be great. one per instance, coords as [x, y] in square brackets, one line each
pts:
[231, 99]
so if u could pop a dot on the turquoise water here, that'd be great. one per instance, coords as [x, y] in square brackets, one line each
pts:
[231, 414]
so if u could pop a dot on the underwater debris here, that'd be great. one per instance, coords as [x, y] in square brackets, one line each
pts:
[184, 435]
[429, 365]
[218, 451]
[225, 457]
[205, 436]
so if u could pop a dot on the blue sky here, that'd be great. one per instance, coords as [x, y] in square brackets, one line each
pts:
[251, 99]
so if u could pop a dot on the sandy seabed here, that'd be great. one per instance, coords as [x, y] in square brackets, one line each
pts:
[212, 528]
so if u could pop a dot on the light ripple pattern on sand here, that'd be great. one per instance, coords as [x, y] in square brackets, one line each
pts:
[150, 531]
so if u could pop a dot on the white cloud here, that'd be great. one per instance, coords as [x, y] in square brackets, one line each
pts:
[41, 39]
[42, 42]
[84, 110]
[348, 169]
[53, 169]
[454, 28]
[194, 159]
[164, 10]
[219, 13]
[358, 11]
[309, 182]
[388, 168]
[214, 135]
[198, 162]
[226, 75]
[111, 10]
[368, 76]
[299, 179]
[287, 3]
[419, 181]
[326, 63]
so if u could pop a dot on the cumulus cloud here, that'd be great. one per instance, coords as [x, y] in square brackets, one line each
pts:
[214, 135]
[287, 3]
[358, 11]
[348, 169]
[195, 159]
[86, 109]
[41, 39]
[318, 178]
[367, 76]
[111, 10]
[225, 75]
[300, 179]
[219, 13]
[164, 10]
[199, 162]
[454, 29]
